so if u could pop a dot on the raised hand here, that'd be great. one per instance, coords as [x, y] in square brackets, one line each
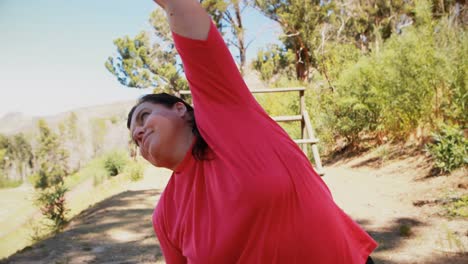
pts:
[186, 17]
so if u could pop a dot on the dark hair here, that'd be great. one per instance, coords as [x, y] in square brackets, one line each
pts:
[200, 146]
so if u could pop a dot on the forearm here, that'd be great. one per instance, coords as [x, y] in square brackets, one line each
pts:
[187, 18]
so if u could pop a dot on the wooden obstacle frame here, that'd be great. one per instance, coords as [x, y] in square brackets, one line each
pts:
[307, 133]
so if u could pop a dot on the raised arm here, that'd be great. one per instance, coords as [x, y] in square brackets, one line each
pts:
[210, 69]
[186, 18]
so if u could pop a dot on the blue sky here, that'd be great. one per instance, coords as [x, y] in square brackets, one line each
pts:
[53, 51]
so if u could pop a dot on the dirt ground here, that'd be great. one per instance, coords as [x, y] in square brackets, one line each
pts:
[380, 193]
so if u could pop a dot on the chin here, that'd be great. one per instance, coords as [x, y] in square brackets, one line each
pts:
[158, 163]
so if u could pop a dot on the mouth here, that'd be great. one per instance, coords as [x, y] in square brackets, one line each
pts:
[144, 138]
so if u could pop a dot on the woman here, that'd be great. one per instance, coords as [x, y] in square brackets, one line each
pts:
[242, 191]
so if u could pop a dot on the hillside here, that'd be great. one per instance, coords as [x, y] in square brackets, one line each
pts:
[12, 123]
[383, 194]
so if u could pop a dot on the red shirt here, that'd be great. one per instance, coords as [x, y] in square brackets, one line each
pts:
[258, 199]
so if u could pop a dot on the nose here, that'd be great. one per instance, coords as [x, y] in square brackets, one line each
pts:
[138, 134]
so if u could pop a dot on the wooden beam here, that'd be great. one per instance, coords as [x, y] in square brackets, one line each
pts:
[278, 90]
[287, 118]
[184, 92]
[315, 152]
[303, 127]
[275, 90]
[306, 141]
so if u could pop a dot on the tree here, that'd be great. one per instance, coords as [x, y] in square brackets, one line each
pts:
[228, 13]
[141, 63]
[72, 140]
[15, 156]
[49, 180]
[144, 62]
[301, 22]
[23, 155]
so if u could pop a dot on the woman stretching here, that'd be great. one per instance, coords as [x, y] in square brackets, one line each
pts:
[241, 190]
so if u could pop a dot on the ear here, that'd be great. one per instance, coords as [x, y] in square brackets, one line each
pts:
[180, 108]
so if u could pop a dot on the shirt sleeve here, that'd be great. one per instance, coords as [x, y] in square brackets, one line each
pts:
[225, 110]
[172, 254]
[211, 71]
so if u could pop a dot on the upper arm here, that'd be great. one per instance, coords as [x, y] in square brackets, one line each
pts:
[211, 71]
[188, 18]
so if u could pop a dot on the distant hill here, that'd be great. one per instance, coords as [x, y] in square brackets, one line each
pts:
[97, 129]
[12, 123]
[15, 122]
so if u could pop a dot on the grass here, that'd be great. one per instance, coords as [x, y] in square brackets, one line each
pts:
[16, 207]
[8, 183]
[458, 208]
[450, 240]
[91, 170]
[23, 235]
[23, 220]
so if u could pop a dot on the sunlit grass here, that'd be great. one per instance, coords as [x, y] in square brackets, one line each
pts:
[20, 219]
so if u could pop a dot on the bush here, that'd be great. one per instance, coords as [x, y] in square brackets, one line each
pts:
[135, 171]
[115, 161]
[416, 78]
[450, 149]
[52, 204]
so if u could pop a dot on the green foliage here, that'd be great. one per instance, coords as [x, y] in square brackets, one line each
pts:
[52, 204]
[51, 157]
[417, 77]
[15, 153]
[69, 127]
[135, 170]
[115, 162]
[229, 14]
[302, 23]
[274, 61]
[458, 208]
[379, 68]
[280, 104]
[392, 88]
[141, 63]
[152, 61]
[450, 149]
[72, 140]
[49, 180]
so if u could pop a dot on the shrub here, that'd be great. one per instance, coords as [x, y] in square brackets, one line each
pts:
[52, 204]
[449, 149]
[135, 171]
[115, 161]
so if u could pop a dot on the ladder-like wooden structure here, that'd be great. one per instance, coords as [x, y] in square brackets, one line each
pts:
[307, 133]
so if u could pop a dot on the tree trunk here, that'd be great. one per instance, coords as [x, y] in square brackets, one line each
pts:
[302, 60]
[239, 29]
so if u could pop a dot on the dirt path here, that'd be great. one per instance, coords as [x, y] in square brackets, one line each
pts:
[378, 196]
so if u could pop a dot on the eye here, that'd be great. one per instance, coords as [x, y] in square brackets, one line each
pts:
[143, 116]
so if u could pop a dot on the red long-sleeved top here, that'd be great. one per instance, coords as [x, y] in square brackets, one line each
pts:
[257, 199]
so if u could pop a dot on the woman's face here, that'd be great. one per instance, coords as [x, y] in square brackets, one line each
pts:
[156, 130]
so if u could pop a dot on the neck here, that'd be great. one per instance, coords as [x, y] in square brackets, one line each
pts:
[180, 152]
